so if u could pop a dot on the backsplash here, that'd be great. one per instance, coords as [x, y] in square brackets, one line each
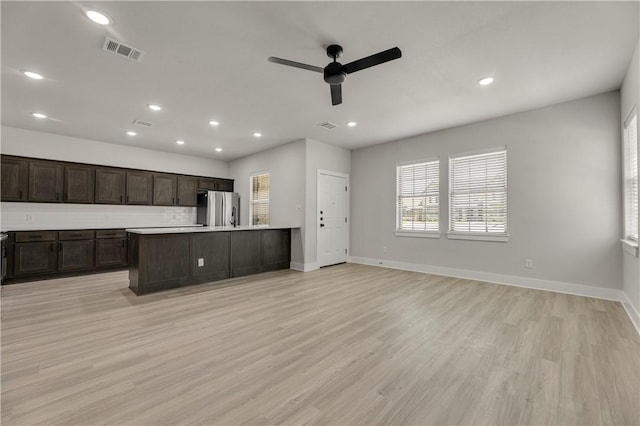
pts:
[31, 216]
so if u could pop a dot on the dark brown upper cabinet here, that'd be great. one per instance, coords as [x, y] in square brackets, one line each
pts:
[15, 174]
[187, 191]
[79, 184]
[139, 188]
[45, 181]
[213, 184]
[110, 186]
[164, 190]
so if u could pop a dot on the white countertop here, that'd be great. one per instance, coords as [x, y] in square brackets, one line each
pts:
[185, 230]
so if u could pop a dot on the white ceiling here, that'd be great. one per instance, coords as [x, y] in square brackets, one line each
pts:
[208, 60]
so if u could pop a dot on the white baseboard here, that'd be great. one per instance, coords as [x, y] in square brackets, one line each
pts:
[631, 311]
[513, 280]
[304, 267]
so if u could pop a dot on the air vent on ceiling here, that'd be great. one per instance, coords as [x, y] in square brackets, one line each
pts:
[113, 46]
[141, 123]
[328, 125]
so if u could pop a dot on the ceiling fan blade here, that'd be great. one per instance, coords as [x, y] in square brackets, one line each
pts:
[295, 64]
[370, 61]
[336, 94]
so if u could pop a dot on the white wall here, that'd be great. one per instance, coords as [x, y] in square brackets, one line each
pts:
[629, 98]
[49, 146]
[286, 165]
[319, 156]
[564, 196]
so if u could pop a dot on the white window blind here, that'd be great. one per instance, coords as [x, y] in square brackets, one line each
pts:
[478, 199]
[631, 177]
[260, 199]
[418, 204]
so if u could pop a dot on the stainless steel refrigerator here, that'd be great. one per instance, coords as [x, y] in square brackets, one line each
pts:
[216, 208]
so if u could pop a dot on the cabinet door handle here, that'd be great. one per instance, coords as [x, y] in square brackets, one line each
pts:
[57, 196]
[122, 243]
[121, 199]
[173, 200]
[178, 203]
[20, 194]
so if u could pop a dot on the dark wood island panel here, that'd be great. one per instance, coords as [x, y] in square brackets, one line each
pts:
[168, 260]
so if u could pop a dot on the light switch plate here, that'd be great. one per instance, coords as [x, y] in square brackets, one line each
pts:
[200, 262]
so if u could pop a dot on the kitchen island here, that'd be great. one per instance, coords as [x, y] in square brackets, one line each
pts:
[164, 258]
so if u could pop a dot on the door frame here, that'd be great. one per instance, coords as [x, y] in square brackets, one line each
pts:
[347, 212]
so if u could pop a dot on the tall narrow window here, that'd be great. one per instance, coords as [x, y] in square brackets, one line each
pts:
[418, 192]
[478, 194]
[631, 177]
[259, 204]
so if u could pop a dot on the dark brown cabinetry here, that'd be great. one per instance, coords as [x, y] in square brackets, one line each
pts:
[45, 181]
[139, 188]
[210, 255]
[164, 190]
[34, 253]
[111, 248]
[187, 193]
[164, 261]
[110, 186]
[78, 184]
[76, 250]
[15, 173]
[246, 250]
[213, 184]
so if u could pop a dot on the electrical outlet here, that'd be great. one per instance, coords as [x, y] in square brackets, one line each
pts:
[200, 262]
[528, 263]
[29, 218]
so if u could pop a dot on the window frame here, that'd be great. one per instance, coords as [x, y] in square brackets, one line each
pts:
[475, 235]
[252, 202]
[416, 233]
[630, 173]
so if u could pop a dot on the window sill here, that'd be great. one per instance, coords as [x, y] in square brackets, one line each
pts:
[416, 234]
[630, 247]
[502, 238]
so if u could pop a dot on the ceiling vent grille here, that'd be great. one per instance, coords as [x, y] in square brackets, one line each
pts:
[113, 46]
[141, 123]
[328, 125]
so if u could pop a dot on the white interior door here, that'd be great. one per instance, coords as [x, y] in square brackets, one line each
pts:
[332, 218]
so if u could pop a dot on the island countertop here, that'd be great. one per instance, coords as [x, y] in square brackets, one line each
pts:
[188, 230]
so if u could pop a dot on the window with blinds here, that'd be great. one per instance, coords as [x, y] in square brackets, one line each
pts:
[631, 177]
[259, 203]
[478, 193]
[418, 204]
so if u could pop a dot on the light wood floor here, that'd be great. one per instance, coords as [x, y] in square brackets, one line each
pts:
[350, 344]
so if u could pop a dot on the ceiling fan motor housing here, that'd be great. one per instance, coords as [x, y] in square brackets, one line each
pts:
[333, 73]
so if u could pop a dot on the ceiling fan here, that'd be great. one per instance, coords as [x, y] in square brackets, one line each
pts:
[335, 73]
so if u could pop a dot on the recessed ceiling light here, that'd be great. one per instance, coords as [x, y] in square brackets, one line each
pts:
[213, 123]
[33, 75]
[98, 17]
[485, 81]
[38, 115]
[180, 142]
[257, 134]
[130, 133]
[153, 107]
[351, 124]
[218, 149]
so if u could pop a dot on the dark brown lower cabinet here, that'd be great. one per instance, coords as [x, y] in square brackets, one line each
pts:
[163, 261]
[111, 252]
[246, 248]
[46, 253]
[34, 258]
[210, 255]
[76, 255]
